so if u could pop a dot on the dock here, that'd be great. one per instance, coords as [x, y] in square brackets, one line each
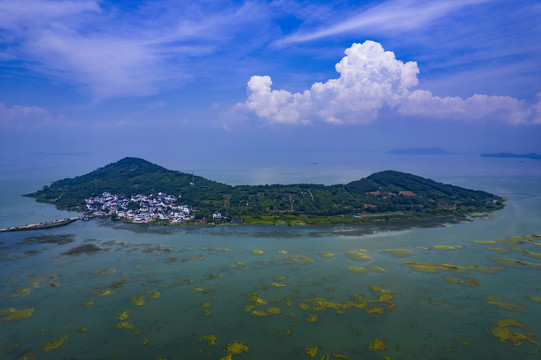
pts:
[43, 225]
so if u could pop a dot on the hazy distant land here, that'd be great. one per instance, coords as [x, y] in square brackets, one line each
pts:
[420, 151]
[511, 155]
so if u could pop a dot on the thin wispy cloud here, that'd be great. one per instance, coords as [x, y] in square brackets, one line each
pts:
[371, 80]
[110, 54]
[397, 15]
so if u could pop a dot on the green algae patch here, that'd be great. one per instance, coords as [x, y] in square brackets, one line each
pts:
[296, 259]
[485, 242]
[311, 351]
[138, 300]
[273, 310]
[123, 315]
[237, 265]
[377, 345]
[108, 271]
[125, 325]
[444, 247]
[359, 270]
[312, 318]
[500, 250]
[103, 292]
[502, 331]
[534, 299]
[399, 252]
[467, 282]
[55, 344]
[326, 254]
[12, 314]
[153, 294]
[202, 291]
[282, 252]
[235, 348]
[377, 269]
[19, 293]
[279, 278]
[357, 255]
[257, 252]
[209, 339]
[88, 303]
[485, 269]
[422, 248]
[504, 303]
[531, 254]
[515, 262]
[434, 268]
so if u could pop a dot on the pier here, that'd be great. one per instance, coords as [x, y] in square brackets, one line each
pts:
[43, 225]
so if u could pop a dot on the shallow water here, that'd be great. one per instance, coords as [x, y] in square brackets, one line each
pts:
[178, 284]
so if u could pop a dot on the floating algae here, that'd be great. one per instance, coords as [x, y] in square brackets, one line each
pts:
[235, 348]
[103, 292]
[357, 255]
[138, 300]
[12, 314]
[273, 310]
[258, 252]
[485, 269]
[531, 254]
[280, 278]
[109, 271]
[203, 291]
[123, 315]
[467, 282]
[312, 318]
[485, 242]
[444, 247]
[88, 303]
[282, 252]
[422, 248]
[55, 344]
[514, 262]
[534, 299]
[357, 270]
[504, 303]
[19, 293]
[377, 269]
[209, 339]
[153, 294]
[434, 268]
[43, 280]
[312, 351]
[125, 325]
[326, 254]
[296, 259]
[503, 333]
[399, 252]
[377, 345]
[237, 265]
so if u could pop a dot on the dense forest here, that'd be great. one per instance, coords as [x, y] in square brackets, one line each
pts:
[382, 192]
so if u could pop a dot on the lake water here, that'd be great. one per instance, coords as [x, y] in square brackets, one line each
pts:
[108, 290]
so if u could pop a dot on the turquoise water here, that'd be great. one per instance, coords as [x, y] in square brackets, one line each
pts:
[192, 285]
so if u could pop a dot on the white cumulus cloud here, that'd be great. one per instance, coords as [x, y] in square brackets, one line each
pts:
[372, 79]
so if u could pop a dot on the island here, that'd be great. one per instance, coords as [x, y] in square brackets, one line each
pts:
[533, 156]
[137, 190]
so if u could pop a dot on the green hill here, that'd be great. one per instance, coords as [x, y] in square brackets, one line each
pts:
[382, 192]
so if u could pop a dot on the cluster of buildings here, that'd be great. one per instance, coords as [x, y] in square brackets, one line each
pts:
[140, 208]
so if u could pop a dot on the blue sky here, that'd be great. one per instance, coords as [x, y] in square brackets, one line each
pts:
[107, 79]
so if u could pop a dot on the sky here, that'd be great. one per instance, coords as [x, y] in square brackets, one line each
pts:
[218, 82]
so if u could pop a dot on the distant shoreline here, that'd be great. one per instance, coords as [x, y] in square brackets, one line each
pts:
[533, 156]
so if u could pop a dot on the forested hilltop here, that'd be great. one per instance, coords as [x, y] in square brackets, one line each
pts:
[380, 193]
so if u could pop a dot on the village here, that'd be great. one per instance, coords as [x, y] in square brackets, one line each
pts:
[140, 208]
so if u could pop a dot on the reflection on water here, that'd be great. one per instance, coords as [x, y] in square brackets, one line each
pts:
[107, 290]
